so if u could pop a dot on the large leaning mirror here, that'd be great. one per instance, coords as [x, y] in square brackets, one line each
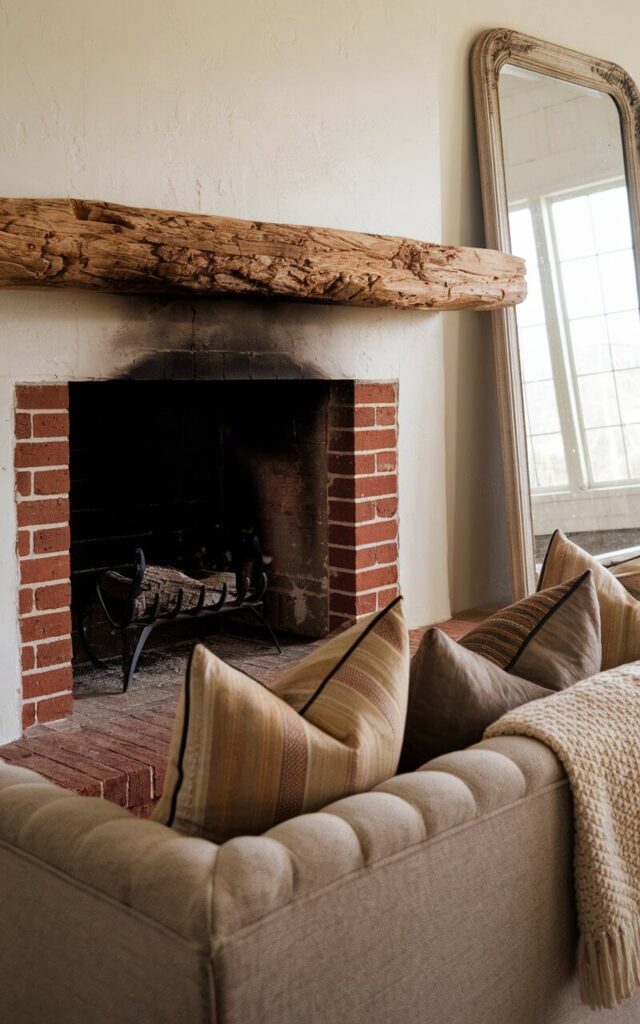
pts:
[558, 138]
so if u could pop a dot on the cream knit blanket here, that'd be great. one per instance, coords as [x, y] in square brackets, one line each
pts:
[594, 728]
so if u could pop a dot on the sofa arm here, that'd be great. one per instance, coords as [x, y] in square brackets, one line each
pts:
[105, 917]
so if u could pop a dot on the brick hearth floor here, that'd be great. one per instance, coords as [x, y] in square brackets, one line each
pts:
[116, 745]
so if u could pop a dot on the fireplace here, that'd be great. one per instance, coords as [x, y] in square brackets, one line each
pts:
[173, 465]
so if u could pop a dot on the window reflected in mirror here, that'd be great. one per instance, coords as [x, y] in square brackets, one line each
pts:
[579, 328]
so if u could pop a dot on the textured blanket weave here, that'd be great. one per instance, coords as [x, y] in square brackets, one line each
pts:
[594, 728]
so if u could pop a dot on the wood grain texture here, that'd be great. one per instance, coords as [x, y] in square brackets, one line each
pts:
[84, 244]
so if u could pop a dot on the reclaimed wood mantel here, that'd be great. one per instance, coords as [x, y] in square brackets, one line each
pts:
[77, 243]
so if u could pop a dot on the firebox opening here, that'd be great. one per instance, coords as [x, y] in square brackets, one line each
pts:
[180, 469]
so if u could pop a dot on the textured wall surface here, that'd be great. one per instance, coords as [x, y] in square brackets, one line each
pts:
[353, 113]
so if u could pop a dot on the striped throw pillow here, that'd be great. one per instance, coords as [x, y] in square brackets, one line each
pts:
[244, 757]
[628, 572]
[551, 638]
[619, 611]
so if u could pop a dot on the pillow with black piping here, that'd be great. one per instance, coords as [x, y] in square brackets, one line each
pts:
[244, 757]
[619, 611]
[551, 637]
[524, 652]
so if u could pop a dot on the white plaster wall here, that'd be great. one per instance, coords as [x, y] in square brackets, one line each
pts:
[478, 560]
[338, 112]
[323, 112]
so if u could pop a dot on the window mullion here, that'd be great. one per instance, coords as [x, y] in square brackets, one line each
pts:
[559, 351]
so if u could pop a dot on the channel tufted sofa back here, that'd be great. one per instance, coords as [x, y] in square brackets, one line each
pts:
[441, 897]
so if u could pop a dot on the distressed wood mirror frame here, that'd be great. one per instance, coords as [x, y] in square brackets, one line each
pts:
[491, 52]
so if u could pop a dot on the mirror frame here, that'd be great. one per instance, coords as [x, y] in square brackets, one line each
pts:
[491, 51]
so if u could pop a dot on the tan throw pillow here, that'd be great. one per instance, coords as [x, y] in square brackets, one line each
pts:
[244, 757]
[551, 638]
[628, 573]
[619, 611]
[454, 695]
[543, 643]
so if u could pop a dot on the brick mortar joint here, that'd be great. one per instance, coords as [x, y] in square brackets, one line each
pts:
[45, 696]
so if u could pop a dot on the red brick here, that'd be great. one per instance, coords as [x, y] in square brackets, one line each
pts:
[23, 483]
[352, 604]
[364, 417]
[386, 596]
[113, 783]
[24, 543]
[384, 554]
[23, 425]
[374, 393]
[344, 604]
[39, 684]
[15, 752]
[46, 541]
[386, 462]
[345, 582]
[341, 416]
[51, 481]
[385, 416]
[28, 715]
[373, 578]
[349, 464]
[41, 627]
[37, 454]
[339, 622]
[342, 487]
[25, 600]
[351, 558]
[363, 579]
[342, 534]
[51, 424]
[342, 392]
[146, 725]
[42, 511]
[147, 752]
[57, 652]
[44, 570]
[351, 511]
[50, 709]
[28, 658]
[371, 486]
[374, 440]
[341, 440]
[127, 731]
[42, 396]
[62, 774]
[387, 507]
[56, 596]
[138, 774]
[366, 533]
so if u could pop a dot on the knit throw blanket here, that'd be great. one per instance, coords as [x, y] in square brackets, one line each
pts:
[594, 729]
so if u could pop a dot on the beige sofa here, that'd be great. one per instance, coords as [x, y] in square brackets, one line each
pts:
[442, 897]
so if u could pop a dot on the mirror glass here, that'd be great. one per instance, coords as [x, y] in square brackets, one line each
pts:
[579, 328]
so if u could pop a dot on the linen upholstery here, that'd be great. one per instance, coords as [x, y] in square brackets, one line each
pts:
[443, 895]
[454, 694]
[619, 611]
[551, 637]
[244, 757]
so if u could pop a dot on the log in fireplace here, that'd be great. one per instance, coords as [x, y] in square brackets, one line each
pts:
[175, 466]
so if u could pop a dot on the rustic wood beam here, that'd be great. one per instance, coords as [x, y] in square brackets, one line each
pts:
[79, 243]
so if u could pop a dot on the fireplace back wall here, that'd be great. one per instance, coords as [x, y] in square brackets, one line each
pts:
[178, 466]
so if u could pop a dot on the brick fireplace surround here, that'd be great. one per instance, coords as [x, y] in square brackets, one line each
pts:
[362, 525]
